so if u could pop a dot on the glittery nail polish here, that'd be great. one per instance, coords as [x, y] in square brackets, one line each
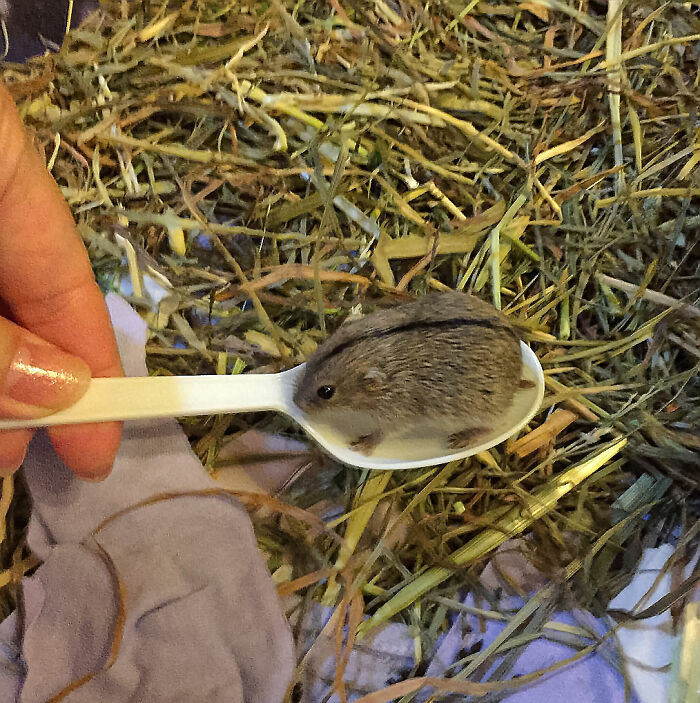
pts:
[42, 378]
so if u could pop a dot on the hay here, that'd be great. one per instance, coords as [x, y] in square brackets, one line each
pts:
[277, 166]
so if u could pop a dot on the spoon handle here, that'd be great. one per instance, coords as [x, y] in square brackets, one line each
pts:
[143, 398]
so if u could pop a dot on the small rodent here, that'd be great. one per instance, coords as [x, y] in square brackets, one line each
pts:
[447, 359]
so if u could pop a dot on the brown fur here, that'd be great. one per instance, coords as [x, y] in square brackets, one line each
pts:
[457, 367]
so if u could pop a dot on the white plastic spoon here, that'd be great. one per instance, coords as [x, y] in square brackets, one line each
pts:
[181, 396]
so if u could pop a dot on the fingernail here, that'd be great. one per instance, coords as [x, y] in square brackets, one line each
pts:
[96, 473]
[97, 477]
[43, 379]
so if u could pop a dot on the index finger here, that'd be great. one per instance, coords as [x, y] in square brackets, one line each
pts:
[47, 282]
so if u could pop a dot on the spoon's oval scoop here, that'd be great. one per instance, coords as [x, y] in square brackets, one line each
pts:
[109, 399]
[420, 447]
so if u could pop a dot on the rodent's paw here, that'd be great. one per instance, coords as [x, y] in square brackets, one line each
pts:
[523, 384]
[367, 443]
[466, 438]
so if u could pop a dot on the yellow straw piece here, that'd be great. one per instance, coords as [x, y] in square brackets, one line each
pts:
[513, 523]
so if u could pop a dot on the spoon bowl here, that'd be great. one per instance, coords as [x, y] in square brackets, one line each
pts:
[142, 398]
[420, 446]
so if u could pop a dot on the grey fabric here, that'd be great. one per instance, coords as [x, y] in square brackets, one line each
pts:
[33, 26]
[203, 621]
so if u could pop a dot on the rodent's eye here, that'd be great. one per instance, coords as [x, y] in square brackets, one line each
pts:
[325, 392]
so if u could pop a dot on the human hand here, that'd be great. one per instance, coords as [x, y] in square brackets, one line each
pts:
[55, 330]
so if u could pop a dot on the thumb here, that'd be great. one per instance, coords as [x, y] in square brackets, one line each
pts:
[36, 378]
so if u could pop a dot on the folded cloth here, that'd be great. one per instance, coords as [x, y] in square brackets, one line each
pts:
[178, 582]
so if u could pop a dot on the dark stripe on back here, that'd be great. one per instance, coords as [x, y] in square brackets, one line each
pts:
[417, 326]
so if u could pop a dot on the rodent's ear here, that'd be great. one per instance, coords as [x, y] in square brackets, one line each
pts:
[374, 380]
